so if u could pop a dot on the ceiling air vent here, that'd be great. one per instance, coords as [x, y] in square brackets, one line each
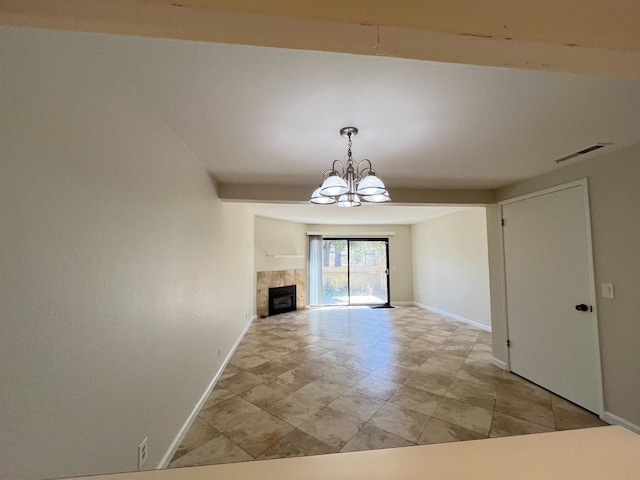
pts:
[582, 152]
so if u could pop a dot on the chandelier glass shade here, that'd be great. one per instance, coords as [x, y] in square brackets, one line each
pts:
[349, 184]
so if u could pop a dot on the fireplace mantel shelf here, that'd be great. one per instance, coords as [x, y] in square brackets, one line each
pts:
[284, 255]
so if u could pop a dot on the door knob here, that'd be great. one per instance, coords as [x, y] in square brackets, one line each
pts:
[582, 307]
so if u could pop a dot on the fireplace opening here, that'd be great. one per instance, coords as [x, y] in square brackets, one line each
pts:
[282, 299]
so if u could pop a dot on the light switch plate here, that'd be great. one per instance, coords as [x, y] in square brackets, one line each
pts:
[607, 290]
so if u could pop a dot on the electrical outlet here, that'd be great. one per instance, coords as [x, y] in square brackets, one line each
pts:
[219, 351]
[142, 453]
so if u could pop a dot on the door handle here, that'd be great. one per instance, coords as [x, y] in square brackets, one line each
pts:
[582, 307]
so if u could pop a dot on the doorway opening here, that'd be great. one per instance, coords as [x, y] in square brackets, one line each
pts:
[355, 271]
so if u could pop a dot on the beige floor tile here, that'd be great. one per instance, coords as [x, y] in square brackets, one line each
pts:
[432, 337]
[517, 386]
[466, 415]
[332, 427]
[434, 383]
[445, 361]
[343, 376]
[336, 357]
[413, 358]
[364, 365]
[479, 356]
[531, 409]
[228, 413]
[393, 373]
[295, 378]
[275, 347]
[479, 372]
[465, 391]
[438, 431]
[215, 451]
[482, 347]
[294, 359]
[218, 394]
[269, 370]
[315, 351]
[505, 426]
[297, 444]
[416, 399]
[455, 348]
[332, 370]
[568, 416]
[432, 367]
[357, 405]
[258, 432]
[317, 367]
[240, 382]
[247, 361]
[265, 394]
[400, 421]
[295, 408]
[373, 386]
[323, 390]
[199, 433]
[370, 437]
[348, 349]
[229, 371]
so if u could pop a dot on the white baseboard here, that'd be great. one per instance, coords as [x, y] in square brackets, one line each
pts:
[454, 316]
[192, 417]
[616, 420]
[498, 363]
[402, 303]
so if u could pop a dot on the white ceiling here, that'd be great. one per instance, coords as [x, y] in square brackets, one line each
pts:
[266, 115]
[367, 214]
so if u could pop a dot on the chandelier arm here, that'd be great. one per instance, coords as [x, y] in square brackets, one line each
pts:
[326, 174]
[363, 161]
[342, 167]
[362, 170]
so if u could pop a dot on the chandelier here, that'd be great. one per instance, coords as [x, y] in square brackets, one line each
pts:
[349, 184]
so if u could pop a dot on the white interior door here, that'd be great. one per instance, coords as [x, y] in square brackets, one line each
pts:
[548, 274]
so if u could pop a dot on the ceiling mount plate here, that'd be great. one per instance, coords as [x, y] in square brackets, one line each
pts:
[346, 131]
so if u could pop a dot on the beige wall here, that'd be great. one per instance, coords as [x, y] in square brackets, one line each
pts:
[450, 265]
[121, 271]
[400, 266]
[614, 192]
[279, 237]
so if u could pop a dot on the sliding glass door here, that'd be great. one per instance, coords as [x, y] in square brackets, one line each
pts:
[355, 271]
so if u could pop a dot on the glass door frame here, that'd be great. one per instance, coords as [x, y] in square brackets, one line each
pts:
[387, 271]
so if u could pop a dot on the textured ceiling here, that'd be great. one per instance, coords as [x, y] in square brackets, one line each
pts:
[271, 116]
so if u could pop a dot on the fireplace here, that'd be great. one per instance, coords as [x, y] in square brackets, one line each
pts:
[282, 299]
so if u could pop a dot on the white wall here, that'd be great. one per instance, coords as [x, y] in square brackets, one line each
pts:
[614, 186]
[451, 267]
[279, 237]
[121, 271]
[400, 267]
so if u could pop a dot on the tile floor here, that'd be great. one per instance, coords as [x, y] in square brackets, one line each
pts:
[346, 379]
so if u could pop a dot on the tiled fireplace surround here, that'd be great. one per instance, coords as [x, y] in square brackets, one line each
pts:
[280, 278]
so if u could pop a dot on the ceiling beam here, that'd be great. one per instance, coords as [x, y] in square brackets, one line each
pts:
[613, 55]
[400, 196]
